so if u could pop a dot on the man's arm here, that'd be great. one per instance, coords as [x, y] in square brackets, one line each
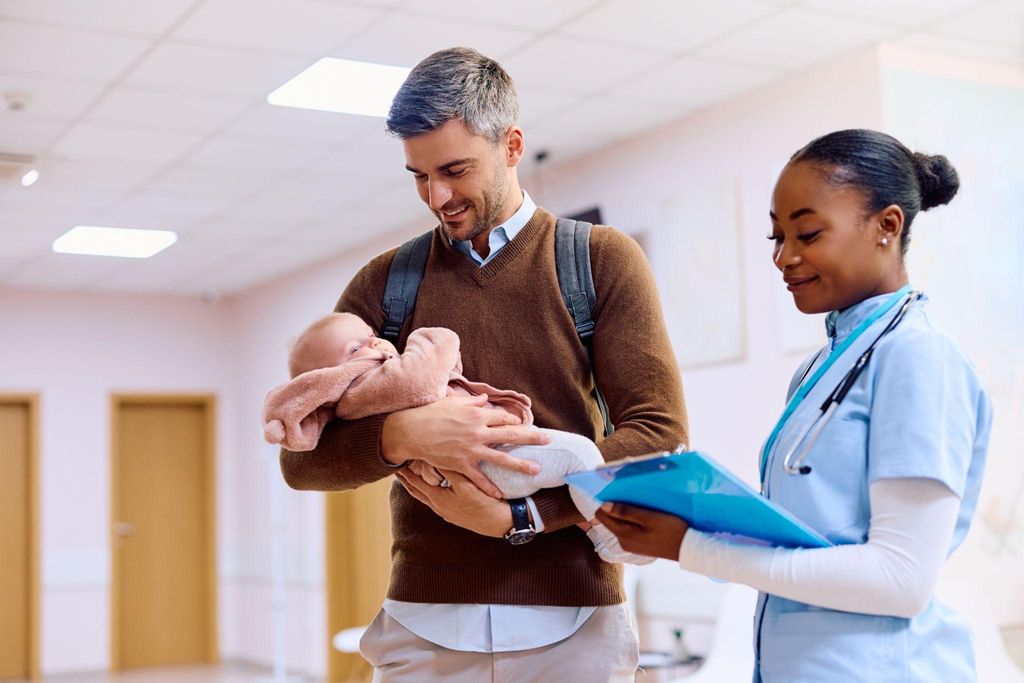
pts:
[633, 364]
[455, 433]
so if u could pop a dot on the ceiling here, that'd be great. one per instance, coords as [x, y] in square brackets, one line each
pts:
[153, 114]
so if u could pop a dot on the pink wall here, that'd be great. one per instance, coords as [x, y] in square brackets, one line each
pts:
[74, 350]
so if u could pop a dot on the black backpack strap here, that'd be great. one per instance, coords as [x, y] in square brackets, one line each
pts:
[576, 281]
[404, 279]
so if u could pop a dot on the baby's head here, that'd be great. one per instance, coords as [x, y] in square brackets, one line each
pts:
[334, 339]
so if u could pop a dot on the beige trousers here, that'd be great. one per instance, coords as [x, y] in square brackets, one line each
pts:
[604, 649]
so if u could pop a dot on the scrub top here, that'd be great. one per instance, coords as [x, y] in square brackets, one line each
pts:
[917, 410]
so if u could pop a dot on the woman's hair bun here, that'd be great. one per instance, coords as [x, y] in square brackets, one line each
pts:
[937, 179]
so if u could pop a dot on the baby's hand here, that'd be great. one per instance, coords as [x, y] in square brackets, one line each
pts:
[426, 472]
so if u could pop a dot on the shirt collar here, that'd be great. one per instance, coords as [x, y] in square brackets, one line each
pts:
[838, 324]
[501, 234]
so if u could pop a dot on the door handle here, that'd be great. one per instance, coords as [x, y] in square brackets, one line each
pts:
[124, 528]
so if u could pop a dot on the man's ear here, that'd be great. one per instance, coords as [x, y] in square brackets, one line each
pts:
[515, 146]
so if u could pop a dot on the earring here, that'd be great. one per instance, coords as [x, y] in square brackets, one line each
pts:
[885, 241]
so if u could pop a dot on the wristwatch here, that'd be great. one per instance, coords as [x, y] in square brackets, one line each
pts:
[522, 531]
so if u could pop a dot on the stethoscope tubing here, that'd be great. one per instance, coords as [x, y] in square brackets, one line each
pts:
[797, 465]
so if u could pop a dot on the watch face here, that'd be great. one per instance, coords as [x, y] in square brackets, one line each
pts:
[521, 536]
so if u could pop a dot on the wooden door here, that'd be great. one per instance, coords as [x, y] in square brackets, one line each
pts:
[18, 539]
[163, 589]
[358, 566]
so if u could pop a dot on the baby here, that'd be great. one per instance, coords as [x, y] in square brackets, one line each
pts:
[340, 368]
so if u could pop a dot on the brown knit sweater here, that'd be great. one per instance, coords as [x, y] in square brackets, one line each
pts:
[516, 333]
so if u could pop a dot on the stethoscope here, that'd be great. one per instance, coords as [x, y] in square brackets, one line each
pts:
[795, 463]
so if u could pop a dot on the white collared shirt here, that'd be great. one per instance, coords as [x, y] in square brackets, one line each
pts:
[492, 628]
[501, 234]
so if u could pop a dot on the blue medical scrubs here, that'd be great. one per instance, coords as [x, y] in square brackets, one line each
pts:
[917, 410]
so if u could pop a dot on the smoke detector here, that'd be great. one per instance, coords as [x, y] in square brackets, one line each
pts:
[15, 101]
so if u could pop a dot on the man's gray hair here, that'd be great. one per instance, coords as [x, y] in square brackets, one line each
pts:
[457, 83]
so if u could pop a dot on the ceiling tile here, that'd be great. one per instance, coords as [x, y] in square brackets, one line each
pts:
[405, 39]
[999, 22]
[83, 176]
[75, 202]
[537, 103]
[64, 53]
[577, 66]
[793, 39]
[606, 120]
[269, 120]
[150, 18]
[380, 160]
[958, 47]
[903, 12]
[60, 271]
[154, 211]
[300, 26]
[50, 99]
[689, 82]
[675, 26]
[23, 239]
[19, 135]
[274, 155]
[529, 15]
[103, 143]
[201, 182]
[215, 71]
[169, 111]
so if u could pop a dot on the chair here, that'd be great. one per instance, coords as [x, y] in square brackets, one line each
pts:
[347, 640]
[993, 663]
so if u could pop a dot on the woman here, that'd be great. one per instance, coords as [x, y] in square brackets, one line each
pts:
[891, 475]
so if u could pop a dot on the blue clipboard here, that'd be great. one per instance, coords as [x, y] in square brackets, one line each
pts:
[710, 498]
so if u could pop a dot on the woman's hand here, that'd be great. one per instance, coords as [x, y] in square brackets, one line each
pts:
[643, 531]
[460, 503]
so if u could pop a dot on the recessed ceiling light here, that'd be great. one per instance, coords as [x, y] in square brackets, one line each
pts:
[126, 242]
[343, 86]
[30, 178]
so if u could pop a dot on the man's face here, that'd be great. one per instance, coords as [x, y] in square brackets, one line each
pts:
[464, 178]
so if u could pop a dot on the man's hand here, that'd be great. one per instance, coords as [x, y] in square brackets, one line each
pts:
[643, 531]
[458, 433]
[461, 503]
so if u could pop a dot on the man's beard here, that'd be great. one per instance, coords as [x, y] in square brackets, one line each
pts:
[493, 202]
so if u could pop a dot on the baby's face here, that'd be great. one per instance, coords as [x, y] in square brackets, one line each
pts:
[349, 338]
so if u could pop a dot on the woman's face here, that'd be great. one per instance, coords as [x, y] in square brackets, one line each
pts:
[827, 246]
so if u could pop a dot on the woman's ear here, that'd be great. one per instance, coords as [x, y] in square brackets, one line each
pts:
[890, 224]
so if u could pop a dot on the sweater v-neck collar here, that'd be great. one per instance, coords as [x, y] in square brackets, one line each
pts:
[480, 274]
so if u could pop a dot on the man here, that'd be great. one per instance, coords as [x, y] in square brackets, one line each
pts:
[463, 603]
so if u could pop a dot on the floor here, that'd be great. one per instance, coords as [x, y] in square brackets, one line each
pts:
[227, 673]
[241, 673]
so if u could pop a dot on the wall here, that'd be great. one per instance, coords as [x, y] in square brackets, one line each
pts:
[75, 350]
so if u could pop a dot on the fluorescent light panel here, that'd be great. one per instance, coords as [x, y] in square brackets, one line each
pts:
[343, 86]
[124, 242]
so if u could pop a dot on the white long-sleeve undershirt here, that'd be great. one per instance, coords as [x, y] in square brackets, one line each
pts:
[892, 574]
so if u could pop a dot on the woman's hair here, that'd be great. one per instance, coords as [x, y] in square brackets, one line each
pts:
[885, 171]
